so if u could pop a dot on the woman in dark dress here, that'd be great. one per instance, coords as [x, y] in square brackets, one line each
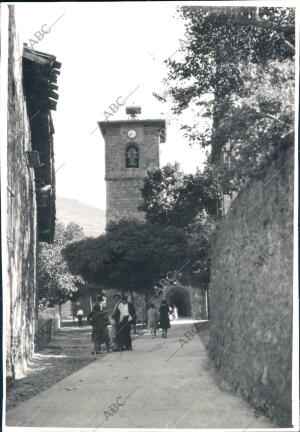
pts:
[99, 320]
[164, 319]
[123, 316]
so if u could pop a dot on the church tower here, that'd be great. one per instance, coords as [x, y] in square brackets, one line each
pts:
[131, 149]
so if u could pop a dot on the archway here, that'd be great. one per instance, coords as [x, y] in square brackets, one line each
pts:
[179, 297]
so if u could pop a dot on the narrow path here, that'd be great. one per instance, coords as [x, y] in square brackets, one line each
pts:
[161, 384]
[68, 352]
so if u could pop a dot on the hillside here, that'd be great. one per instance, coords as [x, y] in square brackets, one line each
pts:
[91, 219]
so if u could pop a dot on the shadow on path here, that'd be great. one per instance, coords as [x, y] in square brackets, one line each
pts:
[68, 352]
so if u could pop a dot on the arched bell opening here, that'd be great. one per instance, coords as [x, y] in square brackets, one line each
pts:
[132, 156]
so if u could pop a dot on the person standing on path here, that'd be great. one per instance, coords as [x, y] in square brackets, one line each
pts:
[152, 319]
[134, 316]
[99, 320]
[164, 319]
[113, 329]
[80, 317]
[123, 316]
[175, 311]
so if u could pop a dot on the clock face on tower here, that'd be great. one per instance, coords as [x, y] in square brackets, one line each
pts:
[131, 133]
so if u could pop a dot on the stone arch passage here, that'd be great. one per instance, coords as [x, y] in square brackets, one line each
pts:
[179, 297]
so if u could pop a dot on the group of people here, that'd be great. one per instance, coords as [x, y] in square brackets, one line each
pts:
[159, 319]
[121, 320]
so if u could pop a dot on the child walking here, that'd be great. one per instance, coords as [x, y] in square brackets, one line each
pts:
[152, 319]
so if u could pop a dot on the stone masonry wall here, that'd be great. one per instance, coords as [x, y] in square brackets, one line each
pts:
[251, 292]
[123, 199]
[123, 190]
[20, 275]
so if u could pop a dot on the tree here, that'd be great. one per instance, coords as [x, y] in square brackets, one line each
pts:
[189, 202]
[174, 198]
[55, 281]
[236, 64]
[131, 256]
[259, 124]
[220, 42]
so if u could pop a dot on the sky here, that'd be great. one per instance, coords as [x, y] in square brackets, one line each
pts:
[107, 50]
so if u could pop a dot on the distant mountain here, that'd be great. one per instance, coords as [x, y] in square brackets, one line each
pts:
[91, 219]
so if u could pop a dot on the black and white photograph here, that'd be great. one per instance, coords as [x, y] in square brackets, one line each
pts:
[149, 215]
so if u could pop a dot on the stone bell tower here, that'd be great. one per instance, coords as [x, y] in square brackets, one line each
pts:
[131, 148]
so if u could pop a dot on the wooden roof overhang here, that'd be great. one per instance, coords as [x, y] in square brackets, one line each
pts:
[40, 73]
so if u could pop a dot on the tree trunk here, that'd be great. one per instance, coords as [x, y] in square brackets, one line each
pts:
[218, 139]
[208, 305]
[146, 306]
[146, 298]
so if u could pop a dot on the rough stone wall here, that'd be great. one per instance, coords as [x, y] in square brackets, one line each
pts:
[251, 292]
[123, 199]
[21, 221]
[123, 193]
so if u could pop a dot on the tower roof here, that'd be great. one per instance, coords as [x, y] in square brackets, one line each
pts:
[160, 123]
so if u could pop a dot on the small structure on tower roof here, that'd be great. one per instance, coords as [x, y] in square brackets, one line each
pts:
[133, 111]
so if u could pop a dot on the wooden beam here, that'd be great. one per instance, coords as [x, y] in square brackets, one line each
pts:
[56, 65]
[52, 104]
[27, 55]
[56, 71]
[53, 95]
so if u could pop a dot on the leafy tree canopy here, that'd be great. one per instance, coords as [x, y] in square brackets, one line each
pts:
[131, 256]
[189, 202]
[236, 69]
[220, 41]
[259, 125]
[55, 281]
[174, 198]
[234, 72]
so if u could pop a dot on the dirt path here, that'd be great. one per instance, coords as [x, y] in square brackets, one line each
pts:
[162, 383]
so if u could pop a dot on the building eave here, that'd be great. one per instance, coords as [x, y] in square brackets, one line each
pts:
[40, 72]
